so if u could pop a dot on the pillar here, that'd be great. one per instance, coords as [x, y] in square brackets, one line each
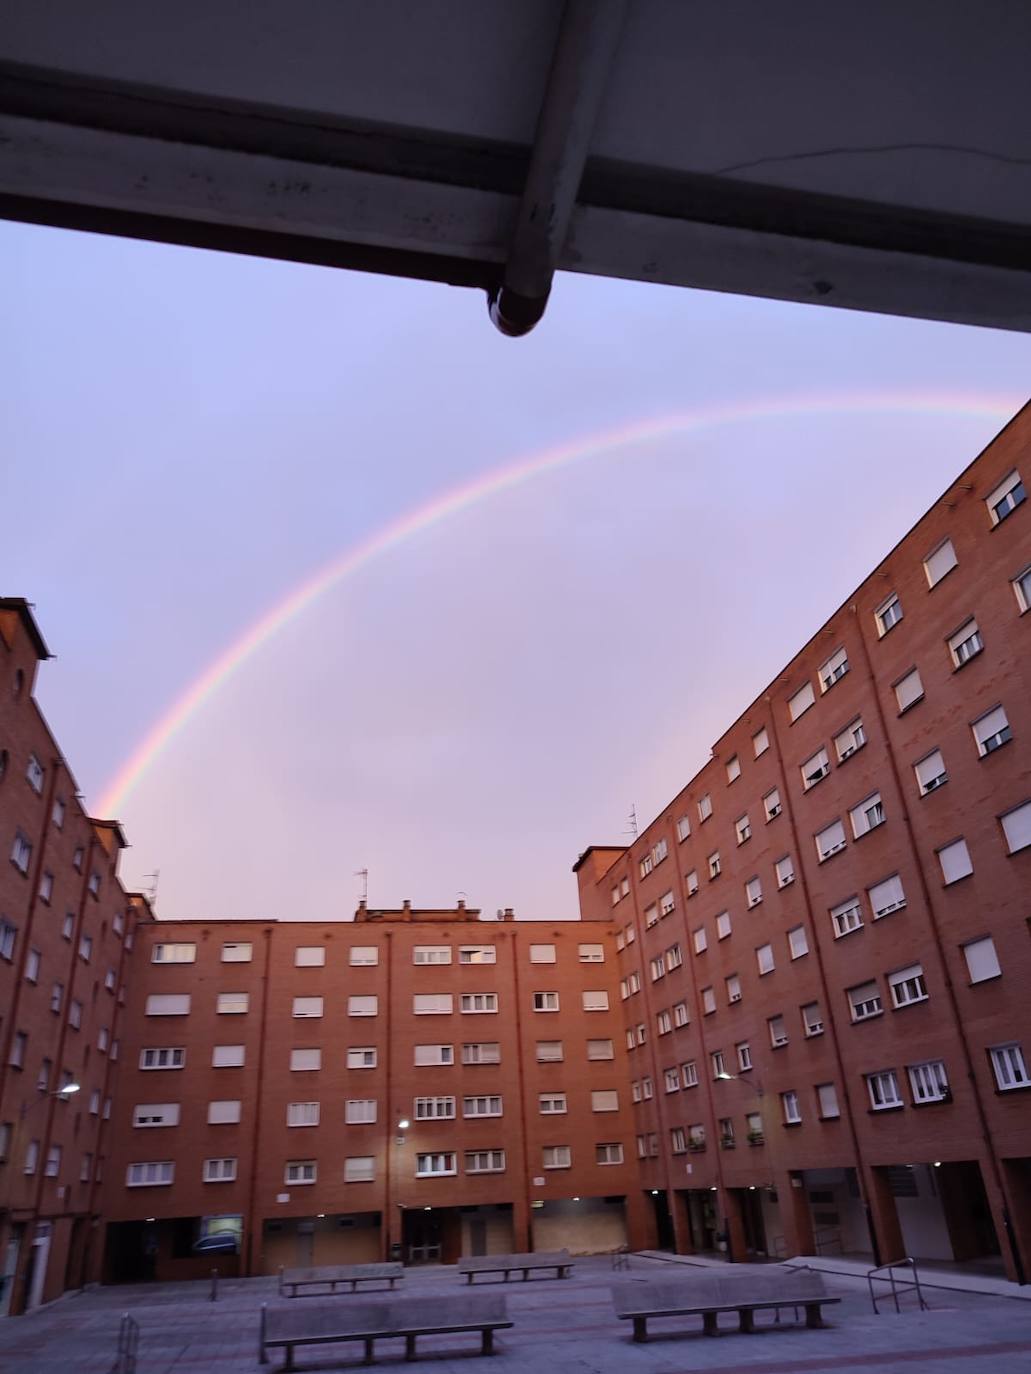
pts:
[882, 1217]
[683, 1242]
[732, 1224]
[796, 1216]
[641, 1230]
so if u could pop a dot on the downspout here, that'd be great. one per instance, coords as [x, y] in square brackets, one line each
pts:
[588, 36]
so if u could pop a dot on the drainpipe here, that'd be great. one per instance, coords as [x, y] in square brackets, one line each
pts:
[588, 36]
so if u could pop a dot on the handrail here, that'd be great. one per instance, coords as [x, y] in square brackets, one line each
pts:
[876, 1275]
[826, 1236]
[128, 1346]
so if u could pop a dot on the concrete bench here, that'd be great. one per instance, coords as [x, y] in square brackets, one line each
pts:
[515, 1264]
[707, 1295]
[327, 1323]
[334, 1278]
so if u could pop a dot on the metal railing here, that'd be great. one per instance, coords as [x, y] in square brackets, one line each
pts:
[900, 1285]
[128, 1346]
[621, 1257]
[825, 1237]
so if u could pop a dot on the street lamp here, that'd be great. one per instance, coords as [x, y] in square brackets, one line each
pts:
[63, 1093]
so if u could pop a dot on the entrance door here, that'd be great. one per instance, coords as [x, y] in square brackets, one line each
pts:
[305, 1244]
[10, 1268]
[38, 1265]
[752, 1221]
[701, 1211]
[477, 1236]
[423, 1238]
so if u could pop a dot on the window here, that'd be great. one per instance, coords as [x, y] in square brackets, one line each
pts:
[434, 1108]
[667, 904]
[801, 701]
[363, 956]
[77, 859]
[219, 1170]
[641, 1032]
[789, 1105]
[85, 948]
[680, 1015]
[909, 690]
[304, 1061]
[930, 772]
[110, 978]
[615, 895]
[363, 1057]
[605, 1100]
[301, 1171]
[545, 1001]
[678, 1140]
[714, 865]
[557, 1157]
[830, 840]
[1010, 1067]
[733, 985]
[743, 829]
[744, 1056]
[982, 960]
[310, 956]
[760, 742]
[689, 1074]
[1022, 590]
[31, 1157]
[591, 954]
[928, 1082]
[671, 1080]
[865, 1001]
[19, 1045]
[991, 731]
[86, 1168]
[955, 862]
[753, 894]
[966, 643]
[57, 996]
[298, 1114]
[867, 815]
[608, 1153]
[683, 827]
[884, 1090]
[484, 1052]
[674, 957]
[887, 896]
[149, 1175]
[704, 807]
[94, 1102]
[778, 1031]
[94, 884]
[798, 944]
[1006, 497]
[827, 1101]
[359, 1168]
[477, 954]
[907, 986]
[733, 769]
[552, 1104]
[168, 1004]
[156, 1114]
[701, 940]
[226, 1113]
[850, 739]
[595, 1001]
[887, 614]
[431, 954]
[846, 917]
[162, 1058]
[434, 1054]
[302, 1006]
[68, 926]
[708, 1001]
[659, 850]
[362, 1006]
[651, 916]
[43, 1077]
[46, 887]
[433, 1004]
[8, 939]
[478, 1002]
[833, 670]
[484, 1161]
[600, 1049]
[21, 853]
[35, 773]
[764, 958]
[646, 1088]
[549, 1051]
[940, 562]
[812, 1019]
[173, 954]
[785, 870]
[726, 1128]
[227, 1056]
[772, 804]
[237, 952]
[646, 865]
[1016, 826]
[57, 814]
[624, 887]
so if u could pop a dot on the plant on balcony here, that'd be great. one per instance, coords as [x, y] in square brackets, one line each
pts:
[756, 1138]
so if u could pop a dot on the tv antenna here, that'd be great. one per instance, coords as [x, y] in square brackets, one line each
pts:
[151, 892]
[631, 828]
[363, 873]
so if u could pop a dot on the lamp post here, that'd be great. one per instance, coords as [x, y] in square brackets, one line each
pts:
[20, 1277]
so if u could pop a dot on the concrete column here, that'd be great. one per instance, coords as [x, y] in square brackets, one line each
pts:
[522, 1238]
[683, 1243]
[886, 1233]
[796, 1216]
[392, 1223]
[1011, 1213]
[732, 1222]
[641, 1230]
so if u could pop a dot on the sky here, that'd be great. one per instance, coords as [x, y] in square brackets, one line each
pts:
[186, 438]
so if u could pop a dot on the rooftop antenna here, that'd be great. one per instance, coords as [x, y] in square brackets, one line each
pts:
[363, 873]
[151, 892]
[632, 822]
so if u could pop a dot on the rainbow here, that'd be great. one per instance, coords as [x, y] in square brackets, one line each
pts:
[303, 596]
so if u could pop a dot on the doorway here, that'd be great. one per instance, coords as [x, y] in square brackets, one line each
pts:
[704, 1223]
[10, 1267]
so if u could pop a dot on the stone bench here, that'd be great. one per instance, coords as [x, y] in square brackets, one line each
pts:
[707, 1295]
[334, 1278]
[514, 1264]
[286, 1327]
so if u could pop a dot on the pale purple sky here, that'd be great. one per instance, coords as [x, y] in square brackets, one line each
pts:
[186, 436]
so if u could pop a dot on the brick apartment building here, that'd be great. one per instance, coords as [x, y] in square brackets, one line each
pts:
[790, 1018]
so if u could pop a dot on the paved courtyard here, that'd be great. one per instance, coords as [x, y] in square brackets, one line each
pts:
[567, 1327]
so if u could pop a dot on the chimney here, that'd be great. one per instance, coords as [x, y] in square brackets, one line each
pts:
[509, 914]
